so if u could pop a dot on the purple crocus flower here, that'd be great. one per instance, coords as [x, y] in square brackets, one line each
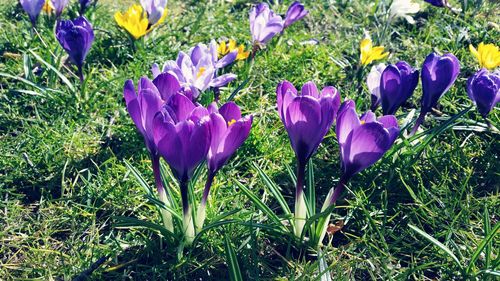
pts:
[155, 9]
[181, 132]
[373, 83]
[76, 37]
[32, 8]
[483, 89]
[59, 6]
[362, 141]
[438, 75]
[229, 130]
[142, 106]
[397, 84]
[295, 12]
[264, 23]
[307, 117]
[197, 69]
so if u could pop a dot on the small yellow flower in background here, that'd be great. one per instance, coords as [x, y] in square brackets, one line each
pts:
[223, 49]
[488, 55]
[370, 53]
[134, 21]
[47, 7]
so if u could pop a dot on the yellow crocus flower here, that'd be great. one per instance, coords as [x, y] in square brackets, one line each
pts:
[488, 55]
[370, 53]
[223, 49]
[134, 21]
[47, 7]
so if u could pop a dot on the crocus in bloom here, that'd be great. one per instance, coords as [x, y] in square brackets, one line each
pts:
[264, 24]
[32, 8]
[307, 117]
[403, 9]
[156, 10]
[134, 21]
[438, 75]
[229, 130]
[488, 55]
[483, 89]
[373, 83]
[370, 53]
[59, 6]
[142, 106]
[362, 141]
[224, 49]
[397, 83]
[76, 37]
[181, 132]
[295, 12]
[197, 69]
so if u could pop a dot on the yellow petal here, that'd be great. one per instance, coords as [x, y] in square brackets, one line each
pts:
[232, 45]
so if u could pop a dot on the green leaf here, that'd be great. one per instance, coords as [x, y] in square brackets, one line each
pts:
[310, 190]
[274, 189]
[232, 261]
[260, 205]
[213, 225]
[437, 243]
[134, 222]
[140, 179]
[481, 246]
[51, 67]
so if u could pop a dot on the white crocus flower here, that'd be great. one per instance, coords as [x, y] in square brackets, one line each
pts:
[403, 9]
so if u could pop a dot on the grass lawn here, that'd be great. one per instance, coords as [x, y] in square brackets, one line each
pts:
[69, 152]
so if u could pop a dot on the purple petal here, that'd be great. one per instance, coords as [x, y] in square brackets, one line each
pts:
[222, 80]
[230, 111]
[167, 84]
[310, 89]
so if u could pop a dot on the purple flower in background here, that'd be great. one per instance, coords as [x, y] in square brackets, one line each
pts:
[438, 75]
[264, 23]
[295, 12]
[155, 9]
[84, 4]
[76, 37]
[483, 89]
[59, 6]
[181, 133]
[307, 117]
[396, 86]
[373, 83]
[437, 3]
[197, 69]
[32, 8]
[229, 130]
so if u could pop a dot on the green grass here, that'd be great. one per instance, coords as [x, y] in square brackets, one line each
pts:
[64, 182]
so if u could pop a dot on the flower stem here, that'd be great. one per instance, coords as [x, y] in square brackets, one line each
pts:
[331, 198]
[201, 212]
[300, 204]
[419, 122]
[187, 219]
[162, 193]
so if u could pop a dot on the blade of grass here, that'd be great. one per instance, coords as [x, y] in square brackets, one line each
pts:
[51, 67]
[232, 260]
[273, 188]
[481, 247]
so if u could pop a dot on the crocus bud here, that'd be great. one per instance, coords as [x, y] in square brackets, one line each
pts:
[397, 84]
[363, 141]
[484, 90]
[32, 8]
[155, 9]
[76, 37]
[264, 23]
[438, 75]
[373, 83]
[59, 6]
[295, 12]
